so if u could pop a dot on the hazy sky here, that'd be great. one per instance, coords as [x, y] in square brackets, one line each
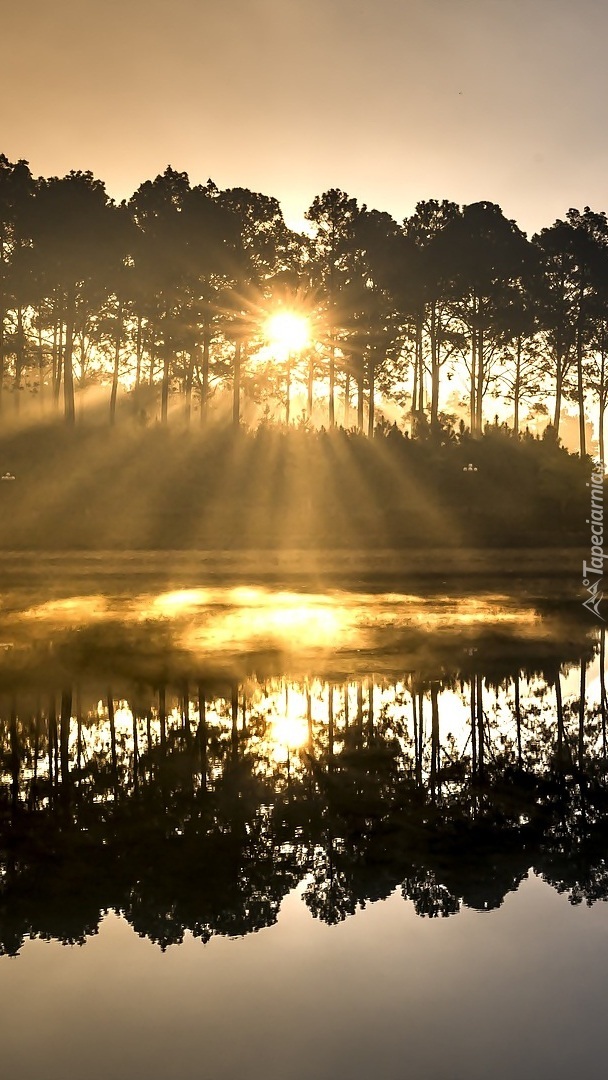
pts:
[391, 100]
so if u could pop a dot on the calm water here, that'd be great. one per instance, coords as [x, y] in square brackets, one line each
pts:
[252, 832]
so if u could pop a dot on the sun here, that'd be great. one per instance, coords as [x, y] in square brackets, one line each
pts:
[288, 332]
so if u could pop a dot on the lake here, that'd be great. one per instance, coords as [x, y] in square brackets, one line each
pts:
[282, 829]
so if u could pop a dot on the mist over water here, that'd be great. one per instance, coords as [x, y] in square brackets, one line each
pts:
[268, 810]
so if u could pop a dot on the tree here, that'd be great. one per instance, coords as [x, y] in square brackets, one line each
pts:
[573, 254]
[334, 215]
[486, 257]
[436, 328]
[16, 192]
[73, 241]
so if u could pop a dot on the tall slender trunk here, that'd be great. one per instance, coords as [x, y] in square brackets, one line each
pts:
[236, 385]
[2, 352]
[311, 379]
[473, 713]
[68, 371]
[602, 401]
[332, 380]
[517, 387]
[52, 739]
[434, 366]
[434, 739]
[371, 368]
[518, 719]
[480, 382]
[189, 381]
[347, 399]
[559, 378]
[473, 381]
[581, 715]
[164, 394]
[603, 687]
[560, 719]
[206, 345]
[288, 391]
[580, 390]
[417, 760]
[480, 727]
[41, 387]
[201, 734]
[417, 348]
[138, 352]
[162, 718]
[66, 717]
[19, 357]
[116, 368]
[360, 395]
[234, 709]
[58, 356]
[330, 724]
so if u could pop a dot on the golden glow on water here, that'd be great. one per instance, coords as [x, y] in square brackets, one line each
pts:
[229, 623]
[70, 610]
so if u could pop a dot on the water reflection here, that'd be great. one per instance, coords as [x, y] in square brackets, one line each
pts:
[374, 749]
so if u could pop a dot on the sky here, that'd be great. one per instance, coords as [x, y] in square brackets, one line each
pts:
[393, 100]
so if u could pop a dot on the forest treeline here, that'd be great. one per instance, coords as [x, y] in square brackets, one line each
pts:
[453, 312]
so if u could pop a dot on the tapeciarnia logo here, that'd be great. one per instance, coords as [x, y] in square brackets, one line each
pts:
[593, 571]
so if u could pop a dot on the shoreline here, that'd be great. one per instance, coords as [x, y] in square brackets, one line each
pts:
[307, 565]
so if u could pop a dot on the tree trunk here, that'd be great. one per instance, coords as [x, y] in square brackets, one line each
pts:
[19, 357]
[561, 750]
[164, 395]
[138, 353]
[330, 724]
[473, 713]
[205, 373]
[58, 357]
[2, 355]
[417, 346]
[473, 381]
[517, 388]
[360, 398]
[434, 740]
[41, 387]
[66, 716]
[288, 391]
[332, 381]
[603, 687]
[558, 394]
[68, 372]
[116, 368]
[434, 367]
[234, 709]
[371, 367]
[480, 731]
[311, 379]
[162, 717]
[480, 381]
[580, 390]
[581, 715]
[189, 381]
[236, 385]
[602, 402]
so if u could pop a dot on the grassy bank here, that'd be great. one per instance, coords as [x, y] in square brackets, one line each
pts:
[168, 489]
